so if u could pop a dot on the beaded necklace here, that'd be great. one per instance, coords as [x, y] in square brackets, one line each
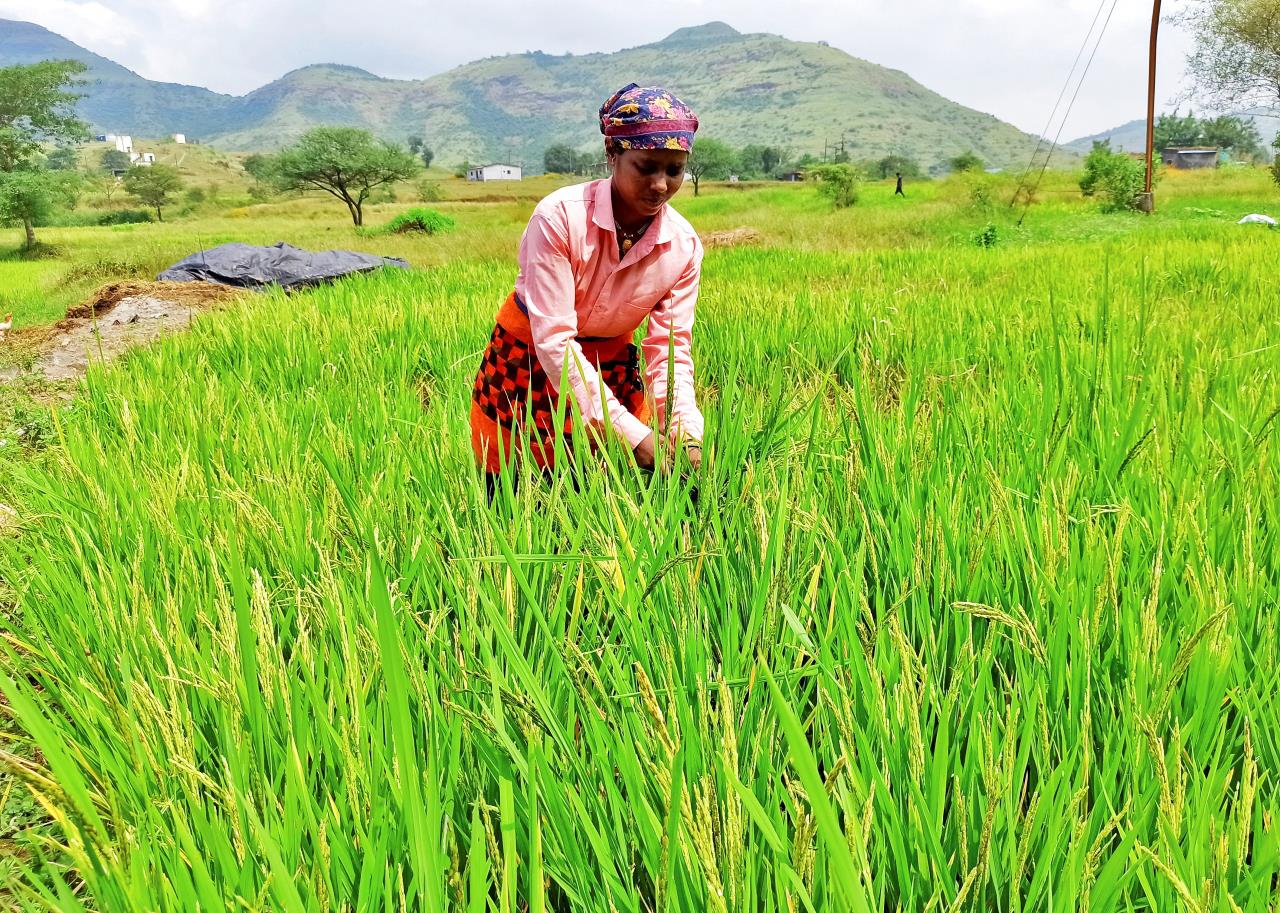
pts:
[627, 239]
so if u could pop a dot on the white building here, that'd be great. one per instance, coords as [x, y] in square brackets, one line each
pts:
[180, 138]
[123, 143]
[142, 158]
[498, 171]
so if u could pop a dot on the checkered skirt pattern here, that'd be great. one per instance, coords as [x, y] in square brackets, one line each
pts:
[512, 392]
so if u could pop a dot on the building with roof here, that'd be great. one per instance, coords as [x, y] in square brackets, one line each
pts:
[496, 171]
[1190, 156]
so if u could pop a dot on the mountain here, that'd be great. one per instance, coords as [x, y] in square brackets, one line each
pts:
[116, 98]
[746, 88]
[1132, 137]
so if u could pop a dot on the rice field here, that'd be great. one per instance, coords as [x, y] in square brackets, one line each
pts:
[972, 605]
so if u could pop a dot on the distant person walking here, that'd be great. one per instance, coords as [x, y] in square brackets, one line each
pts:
[596, 260]
[898, 192]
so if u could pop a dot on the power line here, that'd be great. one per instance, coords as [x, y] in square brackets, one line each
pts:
[1061, 95]
[1102, 32]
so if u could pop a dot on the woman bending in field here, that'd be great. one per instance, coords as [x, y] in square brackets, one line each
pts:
[596, 259]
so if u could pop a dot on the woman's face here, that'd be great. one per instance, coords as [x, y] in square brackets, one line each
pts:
[645, 179]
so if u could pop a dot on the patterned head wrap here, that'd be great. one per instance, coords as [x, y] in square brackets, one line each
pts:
[648, 118]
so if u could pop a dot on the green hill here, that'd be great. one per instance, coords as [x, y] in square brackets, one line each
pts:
[745, 87]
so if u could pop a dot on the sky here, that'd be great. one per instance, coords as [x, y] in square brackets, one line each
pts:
[1009, 58]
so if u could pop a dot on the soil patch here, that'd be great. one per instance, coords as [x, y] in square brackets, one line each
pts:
[190, 293]
[113, 320]
[732, 237]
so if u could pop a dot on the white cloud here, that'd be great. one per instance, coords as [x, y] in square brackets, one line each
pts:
[1006, 57]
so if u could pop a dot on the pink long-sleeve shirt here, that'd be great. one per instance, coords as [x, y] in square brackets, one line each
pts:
[572, 284]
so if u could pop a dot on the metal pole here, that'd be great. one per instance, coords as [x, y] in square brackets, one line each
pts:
[1148, 201]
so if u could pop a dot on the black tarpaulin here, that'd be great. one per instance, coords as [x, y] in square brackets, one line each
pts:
[246, 266]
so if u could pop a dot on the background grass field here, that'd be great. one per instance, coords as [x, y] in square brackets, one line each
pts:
[975, 607]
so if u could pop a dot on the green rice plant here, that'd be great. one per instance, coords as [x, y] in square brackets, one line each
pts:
[974, 608]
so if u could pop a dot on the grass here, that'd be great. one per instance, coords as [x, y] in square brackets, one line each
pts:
[974, 608]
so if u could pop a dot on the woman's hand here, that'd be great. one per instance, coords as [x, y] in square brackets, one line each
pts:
[645, 454]
[648, 457]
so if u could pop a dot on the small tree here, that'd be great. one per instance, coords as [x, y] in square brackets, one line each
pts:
[1174, 130]
[113, 160]
[710, 159]
[29, 195]
[35, 107]
[965, 161]
[1235, 134]
[1117, 177]
[346, 162]
[561, 158]
[838, 182]
[759, 161]
[152, 186]
[64, 158]
[426, 155]
[898, 164]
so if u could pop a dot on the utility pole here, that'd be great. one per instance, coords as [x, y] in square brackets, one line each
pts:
[1147, 202]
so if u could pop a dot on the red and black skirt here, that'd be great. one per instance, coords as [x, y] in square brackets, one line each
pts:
[512, 399]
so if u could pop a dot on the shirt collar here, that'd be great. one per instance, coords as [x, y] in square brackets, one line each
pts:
[602, 214]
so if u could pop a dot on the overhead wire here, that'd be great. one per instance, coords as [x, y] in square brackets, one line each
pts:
[1068, 114]
[1058, 103]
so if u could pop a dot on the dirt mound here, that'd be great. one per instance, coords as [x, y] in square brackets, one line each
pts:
[732, 237]
[193, 294]
[113, 320]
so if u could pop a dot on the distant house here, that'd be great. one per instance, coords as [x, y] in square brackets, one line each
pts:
[1190, 157]
[793, 176]
[498, 171]
[145, 159]
[180, 138]
[124, 143]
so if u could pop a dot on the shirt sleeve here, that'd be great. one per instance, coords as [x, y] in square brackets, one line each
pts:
[668, 355]
[548, 295]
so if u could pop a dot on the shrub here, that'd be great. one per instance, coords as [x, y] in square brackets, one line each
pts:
[125, 217]
[838, 182]
[1114, 176]
[965, 161]
[987, 236]
[419, 219]
[980, 196]
[430, 192]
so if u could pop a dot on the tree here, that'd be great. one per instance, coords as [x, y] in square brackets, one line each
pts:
[1118, 177]
[1173, 131]
[415, 144]
[35, 107]
[759, 161]
[64, 158]
[965, 161]
[1235, 61]
[561, 158]
[898, 164]
[113, 160]
[426, 155]
[152, 185]
[346, 162]
[710, 159]
[839, 181]
[1238, 136]
[29, 195]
